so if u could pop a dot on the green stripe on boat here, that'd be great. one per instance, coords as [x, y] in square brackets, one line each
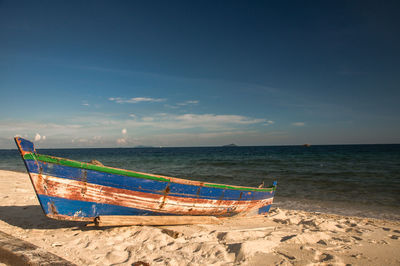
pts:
[88, 166]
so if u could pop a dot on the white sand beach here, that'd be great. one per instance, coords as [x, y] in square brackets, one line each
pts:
[284, 237]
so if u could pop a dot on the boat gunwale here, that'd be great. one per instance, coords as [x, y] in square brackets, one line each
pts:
[124, 172]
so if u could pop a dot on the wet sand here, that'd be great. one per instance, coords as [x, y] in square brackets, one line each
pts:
[284, 237]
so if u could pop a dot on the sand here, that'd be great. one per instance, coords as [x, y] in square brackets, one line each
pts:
[284, 237]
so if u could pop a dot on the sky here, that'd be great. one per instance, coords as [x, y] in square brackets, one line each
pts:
[199, 73]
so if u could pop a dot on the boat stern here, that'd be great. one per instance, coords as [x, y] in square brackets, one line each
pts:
[265, 209]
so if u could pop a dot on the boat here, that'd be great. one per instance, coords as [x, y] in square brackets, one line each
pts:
[80, 191]
[230, 145]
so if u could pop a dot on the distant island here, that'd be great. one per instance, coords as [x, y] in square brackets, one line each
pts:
[230, 145]
[143, 146]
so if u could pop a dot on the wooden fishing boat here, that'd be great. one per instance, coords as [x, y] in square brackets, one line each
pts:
[72, 190]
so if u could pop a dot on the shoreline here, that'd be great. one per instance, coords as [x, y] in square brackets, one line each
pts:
[339, 208]
[344, 208]
[283, 237]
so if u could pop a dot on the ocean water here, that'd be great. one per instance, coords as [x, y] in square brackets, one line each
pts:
[360, 180]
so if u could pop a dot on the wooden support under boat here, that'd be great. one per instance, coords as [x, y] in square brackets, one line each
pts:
[120, 220]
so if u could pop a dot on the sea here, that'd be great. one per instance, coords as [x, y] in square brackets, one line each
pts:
[357, 180]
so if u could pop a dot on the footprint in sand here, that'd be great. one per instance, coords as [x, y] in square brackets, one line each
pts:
[326, 257]
[357, 256]
[344, 239]
[357, 238]
[117, 256]
[354, 230]
[287, 237]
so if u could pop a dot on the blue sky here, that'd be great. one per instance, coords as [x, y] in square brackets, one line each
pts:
[199, 73]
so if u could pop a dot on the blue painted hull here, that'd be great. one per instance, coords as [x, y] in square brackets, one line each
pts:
[73, 190]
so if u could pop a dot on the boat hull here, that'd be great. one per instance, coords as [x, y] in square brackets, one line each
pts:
[71, 190]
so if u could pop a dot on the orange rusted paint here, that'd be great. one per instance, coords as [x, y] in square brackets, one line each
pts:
[66, 192]
[71, 189]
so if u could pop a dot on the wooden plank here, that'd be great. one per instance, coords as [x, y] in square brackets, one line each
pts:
[14, 251]
[119, 220]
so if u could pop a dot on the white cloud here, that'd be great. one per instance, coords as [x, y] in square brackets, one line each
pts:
[148, 119]
[121, 141]
[188, 103]
[219, 119]
[171, 106]
[298, 124]
[82, 129]
[81, 140]
[89, 126]
[200, 122]
[204, 122]
[185, 103]
[37, 137]
[136, 100]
